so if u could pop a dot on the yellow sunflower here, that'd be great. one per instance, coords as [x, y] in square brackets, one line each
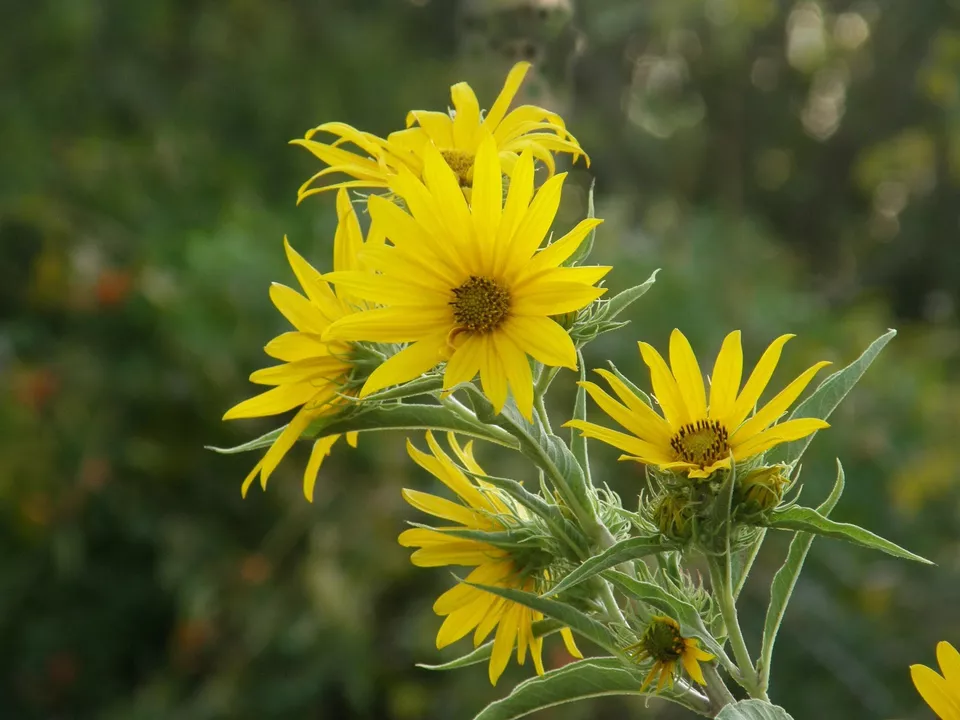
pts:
[692, 436]
[314, 372]
[457, 135]
[467, 608]
[467, 284]
[940, 692]
[663, 643]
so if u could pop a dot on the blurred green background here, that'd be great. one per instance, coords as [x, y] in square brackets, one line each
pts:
[792, 166]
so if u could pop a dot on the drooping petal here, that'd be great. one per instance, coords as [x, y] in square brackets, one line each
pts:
[727, 372]
[692, 667]
[282, 444]
[408, 364]
[570, 643]
[503, 643]
[321, 449]
[460, 622]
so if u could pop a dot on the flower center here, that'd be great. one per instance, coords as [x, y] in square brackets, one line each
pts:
[480, 304]
[461, 163]
[702, 443]
[662, 640]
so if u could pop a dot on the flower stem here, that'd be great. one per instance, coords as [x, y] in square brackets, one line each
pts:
[716, 689]
[721, 584]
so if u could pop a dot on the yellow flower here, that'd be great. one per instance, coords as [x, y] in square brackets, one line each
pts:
[458, 138]
[691, 436]
[314, 372]
[940, 692]
[663, 643]
[467, 284]
[468, 608]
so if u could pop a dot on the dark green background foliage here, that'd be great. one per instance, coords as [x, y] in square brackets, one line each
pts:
[791, 167]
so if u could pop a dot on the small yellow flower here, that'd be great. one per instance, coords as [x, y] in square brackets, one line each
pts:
[940, 692]
[467, 283]
[467, 608]
[691, 436]
[457, 136]
[663, 643]
[314, 372]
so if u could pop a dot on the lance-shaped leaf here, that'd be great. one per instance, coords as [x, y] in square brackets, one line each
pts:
[594, 677]
[578, 621]
[583, 252]
[264, 440]
[622, 300]
[809, 520]
[578, 442]
[827, 397]
[482, 653]
[786, 578]
[629, 383]
[624, 551]
[753, 710]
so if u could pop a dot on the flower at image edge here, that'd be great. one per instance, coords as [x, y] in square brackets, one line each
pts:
[691, 436]
[525, 128]
[940, 692]
[314, 372]
[467, 608]
[467, 283]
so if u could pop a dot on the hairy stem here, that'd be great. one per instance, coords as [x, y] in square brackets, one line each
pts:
[716, 689]
[721, 583]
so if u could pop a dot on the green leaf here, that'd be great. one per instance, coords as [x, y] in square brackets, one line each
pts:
[622, 300]
[753, 710]
[809, 520]
[827, 397]
[406, 417]
[264, 440]
[786, 579]
[691, 624]
[576, 620]
[624, 551]
[534, 503]
[583, 252]
[482, 653]
[629, 383]
[594, 677]
[421, 386]
[578, 442]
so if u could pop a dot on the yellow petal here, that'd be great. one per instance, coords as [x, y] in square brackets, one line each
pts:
[309, 278]
[348, 239]
[464, 364]
[486, 201]
[646, 425]
[784, 432]
[727, 372]
[770, 412]
[517, 369]
[692, 667]
[949, 660]
[665, 388]
[936, 692]
[518, 200]
[570, 643]
[500, 106]
[282, 444]
[409, 363]
[248, 481]
[536, 222]
[554, 298]
[437, 125]
[462, 594]
[391, 325]
[447, 197]
[557, 252]
[685, 369]
[645, 451]
[460, 622]
[493, 377]
[466, 121]
[503, 643]
[321, 449]
[441, 467]
[658, 429]
[543, 339]
[302, 314]
[443, 508]
[293, 346]
[325, 369]
[756, 383]
[389, 290]
[272, 402]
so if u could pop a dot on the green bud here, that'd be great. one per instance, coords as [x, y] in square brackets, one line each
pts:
[761, 490]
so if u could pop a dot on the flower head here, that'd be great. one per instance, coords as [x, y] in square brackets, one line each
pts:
[663, 643]
[468, 608]
[456, 135]
[940, 692]
[467, 283]
[314, 373]
[692, 436]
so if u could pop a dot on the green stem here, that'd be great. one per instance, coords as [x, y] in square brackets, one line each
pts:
[541, 409]
[716, 689]
[748, 563]
[720, 582]
[611, 604]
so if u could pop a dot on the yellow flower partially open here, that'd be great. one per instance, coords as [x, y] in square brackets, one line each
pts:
[314, 371]
[663, 643]
[456, 135]
[692, 436]
[465, 608]
[940, 692]
[467, 283]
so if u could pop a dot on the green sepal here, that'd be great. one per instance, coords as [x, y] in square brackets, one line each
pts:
[753, 710]
[263, 441]
[632, 548]
[578, 621]
[482, 653]
[803, 519]
[580, 680]
[826, 398]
